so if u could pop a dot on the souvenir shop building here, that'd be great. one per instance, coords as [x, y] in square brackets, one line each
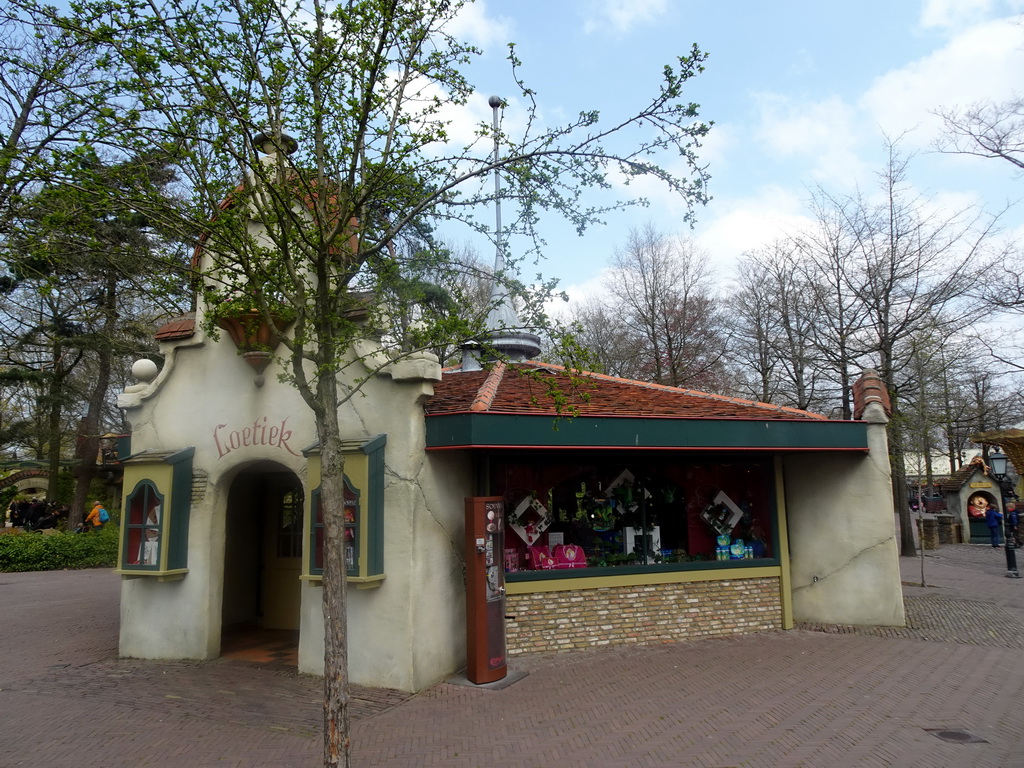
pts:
[623, 524]
[652, 514]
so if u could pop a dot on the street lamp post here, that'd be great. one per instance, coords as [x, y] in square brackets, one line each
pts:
[997, 465]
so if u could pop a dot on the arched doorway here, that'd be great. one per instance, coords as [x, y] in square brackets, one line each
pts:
[262, 559]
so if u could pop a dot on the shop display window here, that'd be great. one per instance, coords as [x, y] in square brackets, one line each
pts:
[156, 509]
[351, 534]
[363, 511]
[653, 512]
[144, 512]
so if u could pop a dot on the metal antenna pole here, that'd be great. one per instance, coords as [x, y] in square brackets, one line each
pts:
[499, 256]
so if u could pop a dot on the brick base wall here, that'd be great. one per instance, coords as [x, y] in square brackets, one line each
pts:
[562, 621]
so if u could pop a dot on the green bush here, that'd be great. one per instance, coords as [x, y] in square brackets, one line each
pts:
[37, 551]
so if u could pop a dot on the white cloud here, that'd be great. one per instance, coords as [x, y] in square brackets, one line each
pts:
[957, 14]
[726, 230]
[473, 25]
[622, 15]
[824, 132]
[744, 224]
[463, 121]
[951, 14]
[595, 286]
[981, 63]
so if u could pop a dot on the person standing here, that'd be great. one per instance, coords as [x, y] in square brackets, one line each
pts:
[993, 519]
[36, 511]
[1012, 523]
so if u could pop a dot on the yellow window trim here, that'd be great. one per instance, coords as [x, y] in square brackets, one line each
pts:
[639, 580]
[361, 582]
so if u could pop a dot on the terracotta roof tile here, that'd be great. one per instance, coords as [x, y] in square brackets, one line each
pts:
[959, 479]
[869, 388]
[523, 389]
[183, 327]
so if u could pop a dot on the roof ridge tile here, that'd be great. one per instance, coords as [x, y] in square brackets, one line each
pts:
[489, 389]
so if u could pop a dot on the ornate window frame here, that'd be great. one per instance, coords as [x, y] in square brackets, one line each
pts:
[157, 501]
[364, 513]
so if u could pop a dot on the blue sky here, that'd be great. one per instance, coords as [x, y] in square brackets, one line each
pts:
[801, 93]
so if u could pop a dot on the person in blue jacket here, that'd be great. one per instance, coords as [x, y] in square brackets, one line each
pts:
[993, 519]
[1012, 522]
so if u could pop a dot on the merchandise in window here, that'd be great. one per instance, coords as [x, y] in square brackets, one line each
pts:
[351, 532]
[654, 512]
[143, 521]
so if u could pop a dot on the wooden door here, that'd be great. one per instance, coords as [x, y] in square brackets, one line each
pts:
[282, 556]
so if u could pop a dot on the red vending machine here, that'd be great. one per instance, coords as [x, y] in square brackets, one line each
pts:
[485, 589]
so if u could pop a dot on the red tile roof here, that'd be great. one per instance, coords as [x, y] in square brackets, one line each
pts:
[960, 478]
[179, 328]
[523, 388]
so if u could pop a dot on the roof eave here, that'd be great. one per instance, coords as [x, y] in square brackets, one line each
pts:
[496, 430]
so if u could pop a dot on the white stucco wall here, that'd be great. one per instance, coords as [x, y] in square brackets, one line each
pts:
[408, 632]
[206, 392]
[844, 558]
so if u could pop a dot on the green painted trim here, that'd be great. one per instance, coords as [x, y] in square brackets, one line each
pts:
[351, 445]
[661, 572]
[374, 444]
[181, 505]
[640, 578]
[782, 537]
[370, 519]
[309, 569]
[360, 524]
[375, 507]
[358, 529]
[469, 430]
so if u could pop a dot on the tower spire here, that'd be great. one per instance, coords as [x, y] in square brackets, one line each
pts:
[505, 334]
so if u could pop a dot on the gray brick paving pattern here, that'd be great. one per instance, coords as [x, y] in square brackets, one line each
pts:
[815, 696]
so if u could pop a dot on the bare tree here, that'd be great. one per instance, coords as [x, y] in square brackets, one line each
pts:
[754, 327]
[784, 326]
[915, 266]
[661, 290]
[610, 344]
[992, 130]
[986, 129]
[830, 260]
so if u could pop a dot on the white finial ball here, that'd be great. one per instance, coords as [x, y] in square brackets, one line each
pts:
[495, 102]
[144, 370]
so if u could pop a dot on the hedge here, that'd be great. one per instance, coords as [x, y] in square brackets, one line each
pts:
[38, 551]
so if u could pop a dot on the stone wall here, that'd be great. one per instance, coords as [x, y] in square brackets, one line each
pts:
[928, 532]
[950, 529]
[561, 621]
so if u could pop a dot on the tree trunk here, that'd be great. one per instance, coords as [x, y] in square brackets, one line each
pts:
[897, 461]
[54, 396]
[85, 468]
[332, 499]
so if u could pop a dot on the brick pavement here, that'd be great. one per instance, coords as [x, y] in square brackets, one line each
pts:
[815, 696]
